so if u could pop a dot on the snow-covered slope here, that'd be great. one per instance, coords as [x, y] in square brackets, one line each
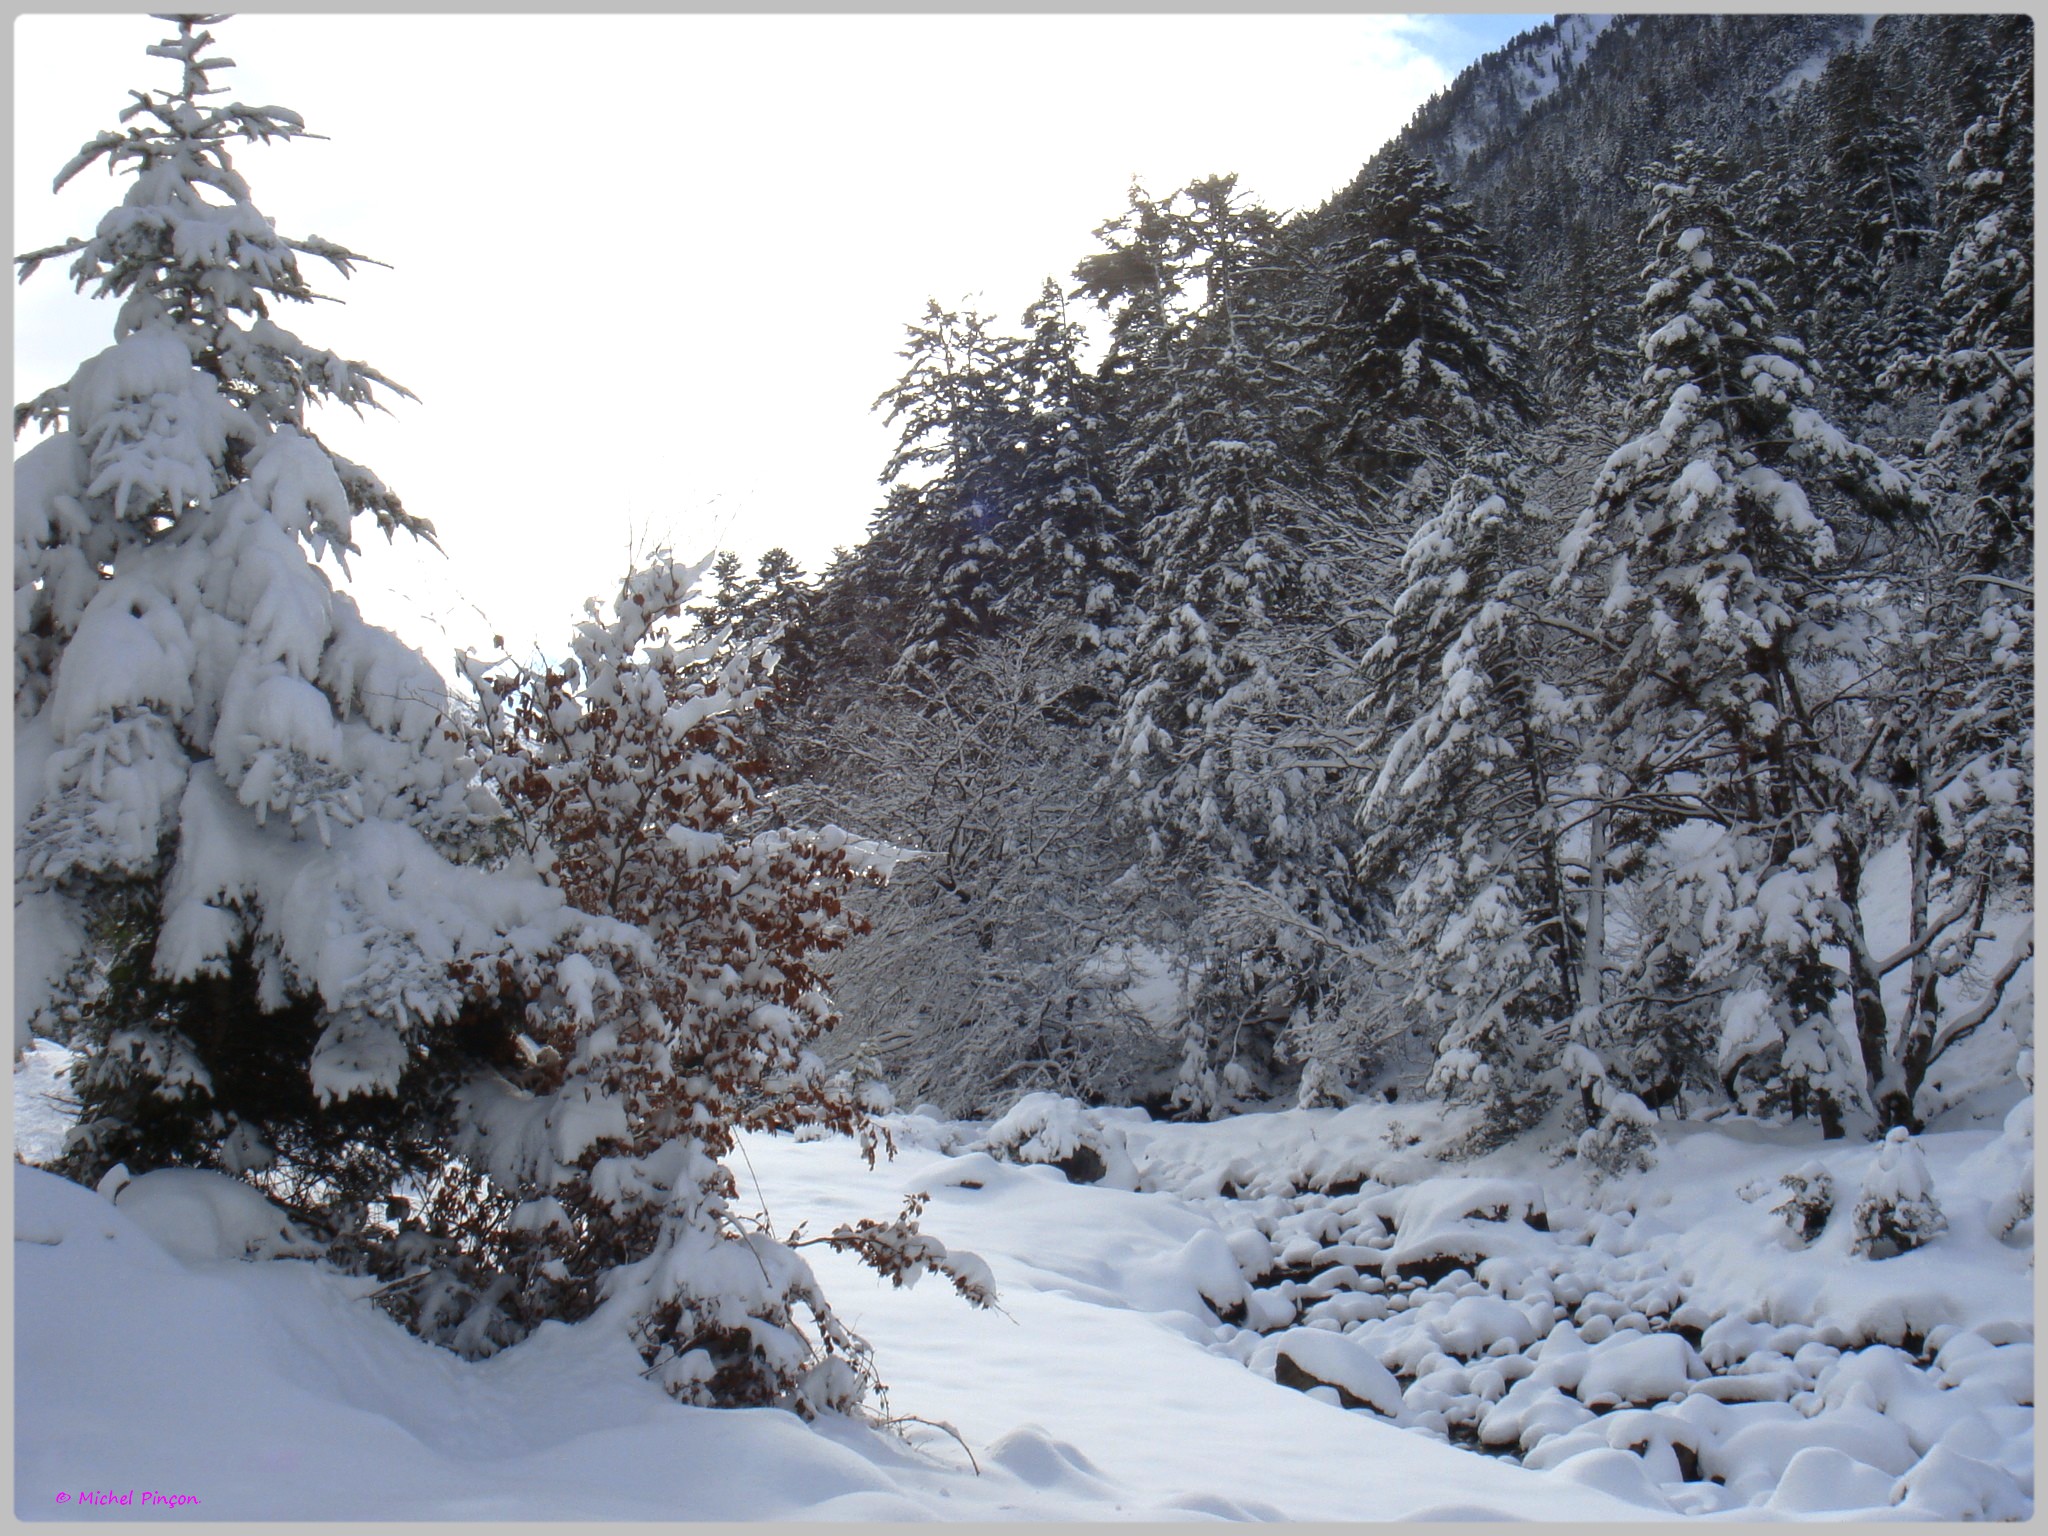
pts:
[1530, 70]
[1653, 1346]
[273, 1391]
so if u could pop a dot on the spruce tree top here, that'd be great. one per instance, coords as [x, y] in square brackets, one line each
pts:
[1424, 324]
[193, 260]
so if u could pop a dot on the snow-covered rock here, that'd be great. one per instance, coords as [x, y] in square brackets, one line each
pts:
[1086, 1145]
[1334, 1360]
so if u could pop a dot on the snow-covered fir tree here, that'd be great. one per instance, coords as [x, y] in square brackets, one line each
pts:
[1705, 566]
[1877, 219]
[1985, 362]
[952, 480]
[1224, 705]
[1896, 1211]
[1421, 342]
[1067, 541]
[248, 886]
[1469, 791]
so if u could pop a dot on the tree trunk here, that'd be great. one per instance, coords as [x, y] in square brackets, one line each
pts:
[1866, 1000]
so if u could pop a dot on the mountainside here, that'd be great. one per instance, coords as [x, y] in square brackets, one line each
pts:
[1199, 546]
[1664, 77]
[1549, 137]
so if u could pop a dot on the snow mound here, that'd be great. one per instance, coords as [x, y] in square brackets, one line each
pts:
[1081, 1142]
[205, 1218]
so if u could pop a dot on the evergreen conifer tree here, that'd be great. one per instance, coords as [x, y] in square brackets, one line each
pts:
[953, 479]
[1703, 568]
[1067, 540]
[1422, 341]
[248, 843]
[1223, 699]
[1985, 363]
[1876, 222]
[1470, 793]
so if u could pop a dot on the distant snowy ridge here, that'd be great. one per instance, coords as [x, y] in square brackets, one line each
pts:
[1536, 63]
[1498, 93]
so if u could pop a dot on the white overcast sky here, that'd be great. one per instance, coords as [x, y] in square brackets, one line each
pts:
[649, 272]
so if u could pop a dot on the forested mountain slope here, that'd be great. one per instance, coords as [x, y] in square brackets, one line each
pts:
[1477, 633]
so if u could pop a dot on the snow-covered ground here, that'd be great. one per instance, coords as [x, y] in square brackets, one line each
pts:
[1658, 1345]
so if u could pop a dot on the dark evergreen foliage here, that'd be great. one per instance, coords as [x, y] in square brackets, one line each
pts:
[1421, 341]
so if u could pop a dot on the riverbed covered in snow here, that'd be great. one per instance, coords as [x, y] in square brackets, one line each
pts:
[1297, 1315]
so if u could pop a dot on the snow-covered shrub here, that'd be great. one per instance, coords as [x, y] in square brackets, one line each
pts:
[1618, 1143]
[1809, 1201]
[1896, 1210]
[593, 1175]
[1618, 1131]
[246, 834]
[1080, 1142]
[2011, 1215]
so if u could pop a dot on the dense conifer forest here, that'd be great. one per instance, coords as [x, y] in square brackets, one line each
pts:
[1472, 636]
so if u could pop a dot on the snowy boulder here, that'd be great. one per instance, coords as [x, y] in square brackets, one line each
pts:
[1437, 1202]
[1200, 1277]
[1618, 1473]
[972, 1170]
[1729, 1340]
[1444, 1224]
[1753, 1459]
[1309, 1357]
[1532, 1412]
[1822, 1480]
[1475, 1325]
[2001, 1375]
[1067, 1135]
[1650, 1369]
[1252, 1249]
[1668, 1443]
[1948, 1485]
[203, 1217]
[1464, 1245]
